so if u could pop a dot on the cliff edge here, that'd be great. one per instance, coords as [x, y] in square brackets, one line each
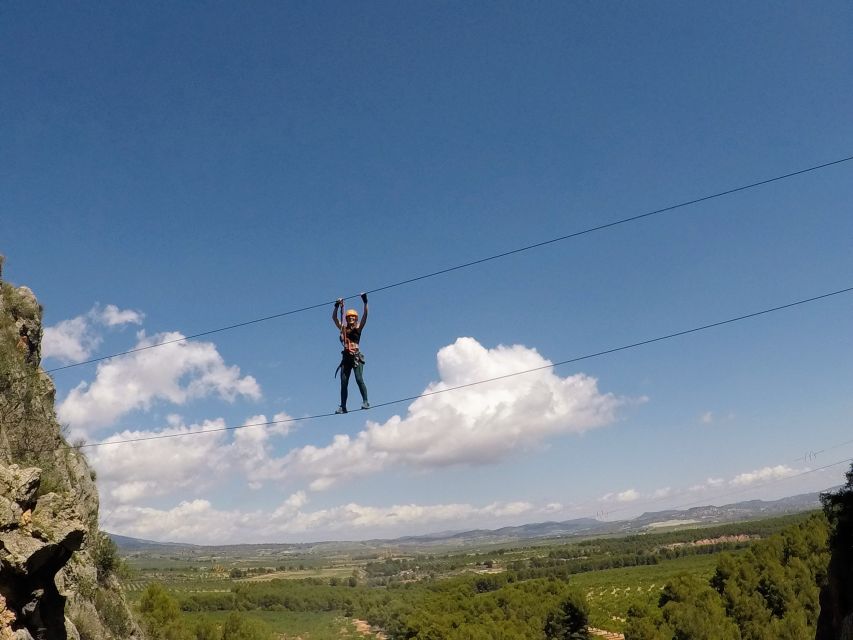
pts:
[836, 596]
[51, 585]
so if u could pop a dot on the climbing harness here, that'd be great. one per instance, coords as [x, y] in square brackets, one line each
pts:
[352, 359]
[356, 356]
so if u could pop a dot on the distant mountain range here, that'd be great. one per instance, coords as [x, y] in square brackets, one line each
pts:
[137, 544]
[696, 516]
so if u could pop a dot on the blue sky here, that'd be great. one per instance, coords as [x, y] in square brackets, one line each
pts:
[173, 168]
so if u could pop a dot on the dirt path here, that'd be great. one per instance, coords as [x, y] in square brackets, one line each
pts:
[607, 635]
[365, 629]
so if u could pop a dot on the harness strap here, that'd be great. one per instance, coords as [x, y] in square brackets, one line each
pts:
[351, 359]
[344, 338]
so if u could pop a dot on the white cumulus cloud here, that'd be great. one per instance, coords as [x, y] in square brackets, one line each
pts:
[251, 448]
[136, 471]
[174, 373]
[764, 474]
[77, 338]
[200, 522]
[629, 495]
[70, 340]
[508, 508]
[475, 425]
[710, 483]
[112, 316]
[185, 458]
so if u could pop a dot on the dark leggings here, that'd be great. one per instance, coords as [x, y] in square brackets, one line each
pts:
[346, 368]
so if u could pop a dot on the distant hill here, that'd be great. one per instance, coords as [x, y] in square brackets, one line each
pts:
[695, 517]
[580, 526]
[748, 510]
[135, 544]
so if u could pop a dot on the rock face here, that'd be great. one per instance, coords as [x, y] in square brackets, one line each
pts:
[49, 583]
[37, 538]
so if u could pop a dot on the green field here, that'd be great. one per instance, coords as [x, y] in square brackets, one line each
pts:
[134, 586]
[342, 572]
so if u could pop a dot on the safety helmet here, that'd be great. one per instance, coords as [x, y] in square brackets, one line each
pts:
[351, 312]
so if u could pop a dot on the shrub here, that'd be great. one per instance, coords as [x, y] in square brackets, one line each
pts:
[239, 627]
[105, 554]
[113, 612]
[87, 623]
[161, 615]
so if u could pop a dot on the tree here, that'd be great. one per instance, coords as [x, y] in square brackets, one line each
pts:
[645, 624]
[157, 605]
[161, 615]
[689, 609]
[105, 553]
[569, 620]
[207, 630]
[239, 627]
[692, 609]
[771, 591]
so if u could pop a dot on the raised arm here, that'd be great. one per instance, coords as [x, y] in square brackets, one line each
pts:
[363, 315]
[338, 304]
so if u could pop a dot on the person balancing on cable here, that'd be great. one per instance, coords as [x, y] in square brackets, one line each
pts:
[352, 359]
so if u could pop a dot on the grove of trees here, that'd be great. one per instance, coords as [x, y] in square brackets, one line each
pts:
[771, 591]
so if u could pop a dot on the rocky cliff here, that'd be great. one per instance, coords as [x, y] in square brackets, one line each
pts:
[50, 584]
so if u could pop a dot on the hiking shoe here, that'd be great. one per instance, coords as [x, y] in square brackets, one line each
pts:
[365, 405]
[341, 410]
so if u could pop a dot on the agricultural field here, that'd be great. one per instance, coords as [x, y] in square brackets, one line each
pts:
[291, 625]
[324, 597]
[340, 572]
[611, 592]
[136, 584]
[184, 579]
